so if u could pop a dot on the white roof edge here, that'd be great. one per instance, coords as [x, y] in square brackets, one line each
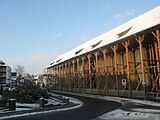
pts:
[138, 24]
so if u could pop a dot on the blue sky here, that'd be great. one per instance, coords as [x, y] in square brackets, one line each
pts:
[34, 32]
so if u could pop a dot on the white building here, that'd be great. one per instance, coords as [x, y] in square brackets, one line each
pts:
[5, 75]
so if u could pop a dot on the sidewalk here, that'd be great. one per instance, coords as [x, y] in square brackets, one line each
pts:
[132, 110]
[116, 99]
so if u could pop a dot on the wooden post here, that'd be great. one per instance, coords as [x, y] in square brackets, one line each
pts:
[59, 76]
[115, 48]
[105, 71]
[55, 74]
[157, 36]
[69, 77]
[56, 77]
[78, 82]
[126, 45]
[59, 82]
[140, 41]
[83, 70]
[97, 69]
[158, 67]
[89, 65]
[64, 73]
[72, 76]
[73, 70]
[63, 76]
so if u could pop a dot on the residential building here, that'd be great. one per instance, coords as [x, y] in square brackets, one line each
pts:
[5, 75]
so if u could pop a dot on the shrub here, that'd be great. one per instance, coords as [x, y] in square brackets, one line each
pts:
[26, 93]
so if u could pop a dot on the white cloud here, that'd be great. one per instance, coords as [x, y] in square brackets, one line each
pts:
[130, 12]
[125, 14]
[59, 34]
[117, 15]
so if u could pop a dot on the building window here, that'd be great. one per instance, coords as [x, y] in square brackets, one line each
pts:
[95, 45]
[78, 51]
[52, 63]
[123, 33]
[59, 60]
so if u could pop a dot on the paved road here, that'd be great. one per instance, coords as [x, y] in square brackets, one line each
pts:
[91, 109]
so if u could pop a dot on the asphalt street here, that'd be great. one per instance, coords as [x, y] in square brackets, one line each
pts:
[91, 109]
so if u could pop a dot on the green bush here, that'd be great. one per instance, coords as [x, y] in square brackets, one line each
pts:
[26, 93]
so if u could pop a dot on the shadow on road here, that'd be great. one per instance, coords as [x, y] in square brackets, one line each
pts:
[91, 108]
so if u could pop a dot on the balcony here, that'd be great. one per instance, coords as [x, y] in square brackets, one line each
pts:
[2, 77]
[2, 71]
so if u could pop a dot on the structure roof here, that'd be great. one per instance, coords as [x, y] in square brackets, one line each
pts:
[136, 25]
[1, 62]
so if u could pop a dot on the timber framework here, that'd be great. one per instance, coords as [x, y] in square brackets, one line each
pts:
[122, 62]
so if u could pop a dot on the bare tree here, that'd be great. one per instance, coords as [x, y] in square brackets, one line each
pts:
[45, 71]
[20, 71]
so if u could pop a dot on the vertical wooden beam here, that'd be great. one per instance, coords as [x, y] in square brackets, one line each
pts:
[89, 65]
[61, 75]
[83, 70]
[126, 45]
[60, 70]
[67, 72]
[153, 61]
[104, 51]
[115, 48]
[158, 67]
[63, 66]
[52, 70]
[140, 40]
[72, 75]
[69, 76]
[97, 68]
[58, 77]
[157, 36]
[57, 70]
[73, 70]
[78, 74]
[55, 75]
